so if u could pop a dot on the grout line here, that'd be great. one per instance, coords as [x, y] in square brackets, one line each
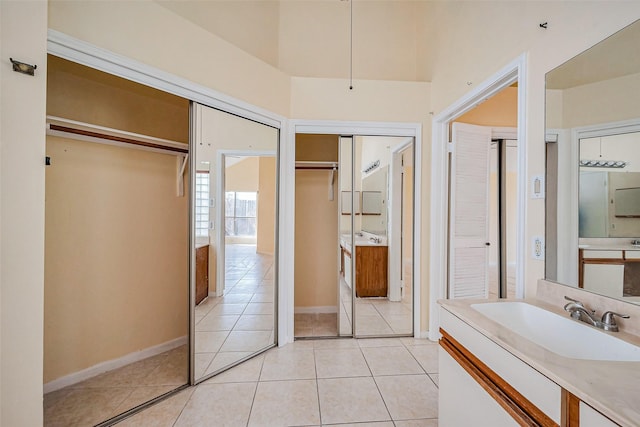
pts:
[186, 402]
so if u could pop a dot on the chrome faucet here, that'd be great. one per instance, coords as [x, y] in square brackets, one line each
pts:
[578, 311]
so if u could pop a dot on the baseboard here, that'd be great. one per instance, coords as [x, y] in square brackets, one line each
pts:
[316, 309]
[110, 365]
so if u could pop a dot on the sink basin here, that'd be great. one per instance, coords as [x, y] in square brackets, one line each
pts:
[561, 335]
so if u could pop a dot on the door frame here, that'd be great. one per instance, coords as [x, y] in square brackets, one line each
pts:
[395, 217]
[287, 207]
[219, 210]
[516, 71]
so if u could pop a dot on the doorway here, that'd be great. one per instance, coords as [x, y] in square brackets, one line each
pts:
[354, 236]
[440, 244]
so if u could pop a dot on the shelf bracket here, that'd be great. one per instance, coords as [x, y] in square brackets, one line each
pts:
[181, 164]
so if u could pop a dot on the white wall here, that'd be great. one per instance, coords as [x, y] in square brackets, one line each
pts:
[23, 27]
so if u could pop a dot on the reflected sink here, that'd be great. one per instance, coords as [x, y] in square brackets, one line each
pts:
[561, 335]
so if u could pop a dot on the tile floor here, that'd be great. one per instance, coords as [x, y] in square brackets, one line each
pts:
[102, 397]
[232, 327]
[374, 316]
[340, 382]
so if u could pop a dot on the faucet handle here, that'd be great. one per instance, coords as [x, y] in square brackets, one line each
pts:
[609, 321]
[578, 303]
[574, 301]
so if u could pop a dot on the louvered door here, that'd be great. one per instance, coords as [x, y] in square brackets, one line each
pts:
[469, 212]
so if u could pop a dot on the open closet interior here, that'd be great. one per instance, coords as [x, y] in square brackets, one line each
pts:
[116, 245]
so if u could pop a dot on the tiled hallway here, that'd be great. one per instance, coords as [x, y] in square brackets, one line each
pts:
[373, 382]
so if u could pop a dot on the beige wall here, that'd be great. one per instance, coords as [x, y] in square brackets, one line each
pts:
[316, 241]
[251, 25]
[242, 176]
[23, 28]
[267, 206]
[316, 147]
[314, 40]
[602, 102]
[152, 34]
[81, 93]
[481, 51]
[501, 110]
[116, 277]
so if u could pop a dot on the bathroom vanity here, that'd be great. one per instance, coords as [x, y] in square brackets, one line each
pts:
[497, 370]
[202, 272]
[611, 268]
[371, 264]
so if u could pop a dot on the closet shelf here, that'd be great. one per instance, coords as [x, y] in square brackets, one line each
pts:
[72, 129]
[58, 126]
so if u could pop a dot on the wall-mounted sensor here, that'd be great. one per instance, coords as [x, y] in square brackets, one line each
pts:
[537, 187]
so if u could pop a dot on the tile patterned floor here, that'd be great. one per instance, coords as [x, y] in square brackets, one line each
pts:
[340, 382]
[105, 396]
[231, 327]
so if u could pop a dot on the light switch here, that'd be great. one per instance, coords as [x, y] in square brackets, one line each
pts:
[537, 187]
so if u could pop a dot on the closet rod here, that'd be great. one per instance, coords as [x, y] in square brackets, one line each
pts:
[317, 168]
[310, 165]
[115, 138]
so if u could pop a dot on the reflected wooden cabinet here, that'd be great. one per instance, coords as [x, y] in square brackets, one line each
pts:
[371, 271]
[202, 273]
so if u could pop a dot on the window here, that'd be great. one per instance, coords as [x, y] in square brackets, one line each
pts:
[240, 213]
[202, 204]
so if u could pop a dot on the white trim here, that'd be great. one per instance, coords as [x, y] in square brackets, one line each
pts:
[578, 133]
[322, 309]
[110, 365]
[220, 203]
[81, 52]
[286, 282]
[515, 71]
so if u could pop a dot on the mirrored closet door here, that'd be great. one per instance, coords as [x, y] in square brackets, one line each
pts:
[354, 236]
[383, 236]
[234, 242]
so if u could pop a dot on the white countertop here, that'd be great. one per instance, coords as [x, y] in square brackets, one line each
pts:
[612, 247]
[365, 240]
[613, 388]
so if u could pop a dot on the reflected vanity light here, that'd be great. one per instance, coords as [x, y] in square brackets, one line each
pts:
[603, 163]
[371, 166]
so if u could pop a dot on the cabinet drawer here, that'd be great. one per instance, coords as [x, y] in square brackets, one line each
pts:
[538, 389]
[458, 388]
[632, 254]
[587, 254]
[589, 417]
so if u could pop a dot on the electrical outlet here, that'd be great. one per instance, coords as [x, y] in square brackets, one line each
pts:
[538, 248]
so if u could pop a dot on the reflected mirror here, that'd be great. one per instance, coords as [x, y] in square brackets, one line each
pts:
[235, 245]
[593, 169]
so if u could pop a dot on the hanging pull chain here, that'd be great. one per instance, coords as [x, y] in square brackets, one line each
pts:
[351, 45]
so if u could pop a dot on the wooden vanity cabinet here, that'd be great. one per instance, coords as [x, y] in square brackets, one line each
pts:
[202, 273]
[371, 271]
